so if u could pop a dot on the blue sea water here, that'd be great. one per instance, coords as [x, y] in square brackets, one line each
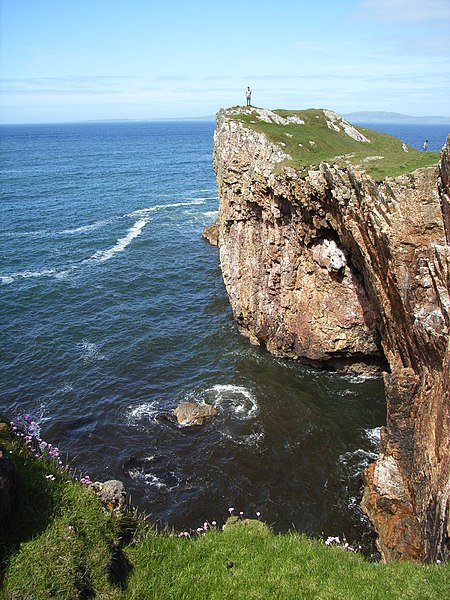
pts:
[113, 310]
[415, 135]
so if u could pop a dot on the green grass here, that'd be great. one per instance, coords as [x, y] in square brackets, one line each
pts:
[61, 543]
[248, 561]
[336, 146]
[58, 541]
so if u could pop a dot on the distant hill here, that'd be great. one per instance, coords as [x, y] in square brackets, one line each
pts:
[391, 117]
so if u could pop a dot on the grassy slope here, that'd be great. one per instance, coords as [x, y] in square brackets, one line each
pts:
[248, 561]
[61, 543]
[330, 144]
[58, 541]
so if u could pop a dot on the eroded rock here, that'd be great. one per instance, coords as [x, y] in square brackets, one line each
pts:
[190, 413]
[211, 234]
[327, 254]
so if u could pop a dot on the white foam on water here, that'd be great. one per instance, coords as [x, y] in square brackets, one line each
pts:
[121, 244]
[356, 461]
[145, 472]
[64, 274]
[147, 211]
[12, 277]
[360, 378]
[100, 255]
[252, 440]
[235, 399]
[85, 228]
[6, 279]
[18, 234]
[147, 478]
[374, 436]
[148, 410]
[202, 199]
[27, 275]
[90, 352]
[211, 214]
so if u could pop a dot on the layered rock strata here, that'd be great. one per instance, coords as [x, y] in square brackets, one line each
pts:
[332, 268]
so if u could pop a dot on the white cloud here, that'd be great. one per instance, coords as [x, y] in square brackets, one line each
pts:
[405, 10]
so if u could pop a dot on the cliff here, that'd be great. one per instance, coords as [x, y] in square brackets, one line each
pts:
[334, 249]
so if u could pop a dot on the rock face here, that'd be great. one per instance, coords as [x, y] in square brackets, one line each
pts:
[286, 271]
[335, 269]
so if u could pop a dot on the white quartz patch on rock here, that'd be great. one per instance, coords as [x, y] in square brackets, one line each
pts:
[328, 255]
[268, 116]
[372, 158]
[336, 122]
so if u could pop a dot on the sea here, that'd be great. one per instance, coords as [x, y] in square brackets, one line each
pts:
[113, 311]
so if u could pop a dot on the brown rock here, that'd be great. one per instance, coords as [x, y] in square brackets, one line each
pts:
[211, 233]
[189, 413]
[378, 286]
[290, 285]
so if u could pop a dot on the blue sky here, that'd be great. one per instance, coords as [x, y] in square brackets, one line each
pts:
[72, 60]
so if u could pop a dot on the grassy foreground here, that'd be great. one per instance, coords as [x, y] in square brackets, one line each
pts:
[314, 141]
[60, 542]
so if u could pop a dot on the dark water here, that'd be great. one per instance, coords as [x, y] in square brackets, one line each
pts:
[113, 310]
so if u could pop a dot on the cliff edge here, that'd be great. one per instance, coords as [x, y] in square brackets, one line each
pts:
[334, 249]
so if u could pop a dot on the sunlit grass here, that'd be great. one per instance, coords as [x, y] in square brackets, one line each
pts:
[313, 142]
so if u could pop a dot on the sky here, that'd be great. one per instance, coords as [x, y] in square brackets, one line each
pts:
[76, 60]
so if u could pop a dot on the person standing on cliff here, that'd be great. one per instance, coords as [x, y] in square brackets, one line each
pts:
[248, 95]
[425, 145]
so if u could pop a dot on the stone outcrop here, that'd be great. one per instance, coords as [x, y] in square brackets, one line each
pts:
[334, 269]
[113, 494]
[190, 413]
[211, 234]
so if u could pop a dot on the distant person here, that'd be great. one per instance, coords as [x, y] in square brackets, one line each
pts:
[425, 145]
[248, 95]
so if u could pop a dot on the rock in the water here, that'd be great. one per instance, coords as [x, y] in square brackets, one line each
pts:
[113, 494]
[189, 413]
[211, 233]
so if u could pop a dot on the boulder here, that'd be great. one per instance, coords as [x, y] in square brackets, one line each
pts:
[113, 494]
[190, 413]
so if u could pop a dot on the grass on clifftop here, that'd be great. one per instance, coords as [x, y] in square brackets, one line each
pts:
[314, 141]
[60, 542]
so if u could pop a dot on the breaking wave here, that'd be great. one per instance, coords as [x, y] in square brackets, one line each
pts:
[121, 243]
[234, 399]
